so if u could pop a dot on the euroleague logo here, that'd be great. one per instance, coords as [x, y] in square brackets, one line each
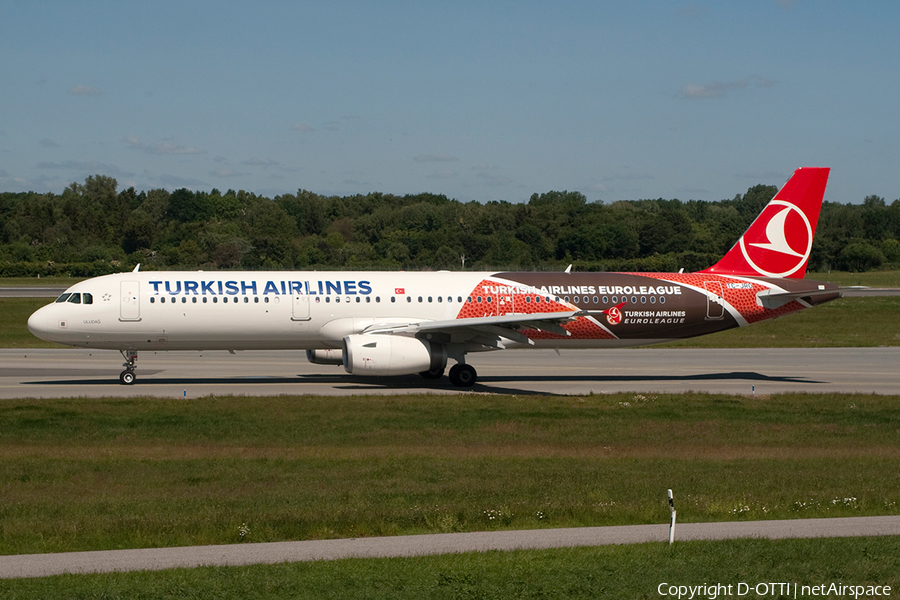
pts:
[780, 240]
[613, 315]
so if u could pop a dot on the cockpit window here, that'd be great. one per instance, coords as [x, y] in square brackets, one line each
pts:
[76, 298]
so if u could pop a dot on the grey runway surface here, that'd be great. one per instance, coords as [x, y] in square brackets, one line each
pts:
[42, 565]
[31, 292]
[73, 372]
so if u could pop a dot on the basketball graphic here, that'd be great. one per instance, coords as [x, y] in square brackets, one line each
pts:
[614, 315]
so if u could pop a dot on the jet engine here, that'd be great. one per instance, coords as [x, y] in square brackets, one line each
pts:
[325, 356]
[391, 355]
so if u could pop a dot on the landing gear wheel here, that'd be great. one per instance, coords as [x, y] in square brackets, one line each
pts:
[433, 373]
[463, 375]
[127, 377]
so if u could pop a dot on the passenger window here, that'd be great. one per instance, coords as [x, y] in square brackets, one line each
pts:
[152, 299]
[64, 297]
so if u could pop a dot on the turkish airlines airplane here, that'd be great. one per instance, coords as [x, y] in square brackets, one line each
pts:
[397, 323]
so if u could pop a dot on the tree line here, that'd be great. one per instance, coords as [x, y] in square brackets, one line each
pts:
[93, 228]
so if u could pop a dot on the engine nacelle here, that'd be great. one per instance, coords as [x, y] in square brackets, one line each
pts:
[391, 355]
[325, 356]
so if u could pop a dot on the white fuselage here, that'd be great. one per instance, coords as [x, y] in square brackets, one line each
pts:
[253, 310]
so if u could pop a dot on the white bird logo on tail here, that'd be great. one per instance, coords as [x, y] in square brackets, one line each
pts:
[775, 233]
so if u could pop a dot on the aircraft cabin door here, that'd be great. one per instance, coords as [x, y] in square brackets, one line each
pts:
[715, 300]
[129, 301]
[300, 310]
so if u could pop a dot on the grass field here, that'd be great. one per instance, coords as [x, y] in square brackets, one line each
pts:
[613, 572]
[88, 474]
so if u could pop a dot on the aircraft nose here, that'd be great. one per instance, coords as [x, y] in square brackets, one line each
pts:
[42, 323]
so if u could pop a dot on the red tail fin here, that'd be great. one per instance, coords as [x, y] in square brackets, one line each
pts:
[778, 242]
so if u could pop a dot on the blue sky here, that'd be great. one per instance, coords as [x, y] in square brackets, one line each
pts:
[475, 100]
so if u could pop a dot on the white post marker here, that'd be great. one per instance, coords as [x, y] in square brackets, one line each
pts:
[672, 519]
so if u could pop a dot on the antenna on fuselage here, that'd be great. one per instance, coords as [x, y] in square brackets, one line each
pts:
[569, 269]
[137, 268]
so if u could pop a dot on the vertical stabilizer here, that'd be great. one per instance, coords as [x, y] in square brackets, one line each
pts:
[779, 241]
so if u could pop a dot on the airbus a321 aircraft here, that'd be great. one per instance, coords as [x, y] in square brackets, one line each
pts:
[397, 323]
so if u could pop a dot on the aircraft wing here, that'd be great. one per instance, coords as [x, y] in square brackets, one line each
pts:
[485, 330]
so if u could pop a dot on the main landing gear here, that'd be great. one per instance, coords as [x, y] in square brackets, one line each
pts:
[460, 375]
[463, 375]
[127, 376]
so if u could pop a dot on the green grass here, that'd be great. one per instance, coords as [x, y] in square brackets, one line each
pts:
[39, 281]
[88, 474]
[14, 313]
[616, 572]
[870, 278]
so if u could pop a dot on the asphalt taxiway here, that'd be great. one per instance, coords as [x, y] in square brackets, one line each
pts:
[45, 373]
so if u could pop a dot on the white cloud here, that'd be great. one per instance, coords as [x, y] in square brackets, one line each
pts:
[717, 89]
[302, 127]
[493, 180]
[84, 90]
[445, 174]
[181, 182]
[255, 162]
[628, 177]
[86, 166]
[161, 148]
[226, 173]
[435, 158]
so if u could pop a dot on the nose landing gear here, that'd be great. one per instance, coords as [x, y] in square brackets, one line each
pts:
[127, 376]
